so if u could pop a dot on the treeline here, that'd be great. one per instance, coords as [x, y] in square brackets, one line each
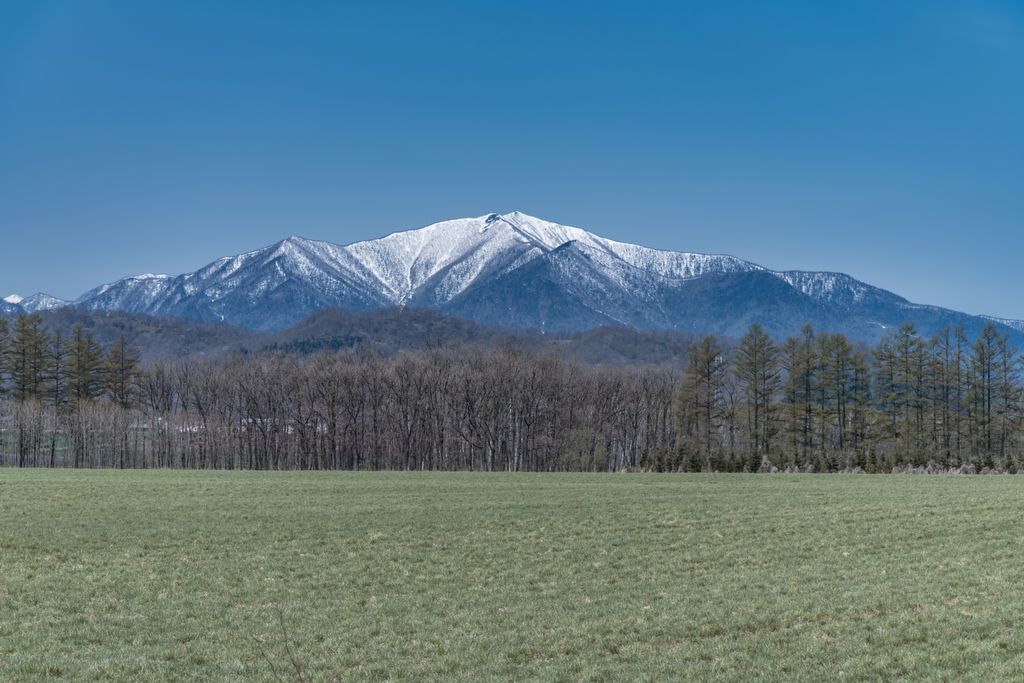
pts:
[49, 382]
[817, 402]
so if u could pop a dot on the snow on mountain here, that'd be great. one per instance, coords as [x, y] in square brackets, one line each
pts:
[128, 294]
[834, 288]
[41, 302]
[30, 304]
[429, 267]
[512, 269]
[1008, 322]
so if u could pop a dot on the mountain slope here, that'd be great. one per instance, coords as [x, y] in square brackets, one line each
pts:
[279, 285]
[14, 304]
[515, 270]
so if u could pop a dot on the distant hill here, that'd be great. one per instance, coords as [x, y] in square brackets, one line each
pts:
[395, 329]
[389, 330]
[162, 337]
[383, 332]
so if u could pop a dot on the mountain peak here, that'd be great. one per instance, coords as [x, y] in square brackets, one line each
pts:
[36, 302]
[288, 245]
[41, 301]
[520, 216]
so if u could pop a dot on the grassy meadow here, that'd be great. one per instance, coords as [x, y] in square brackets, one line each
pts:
[166, 575]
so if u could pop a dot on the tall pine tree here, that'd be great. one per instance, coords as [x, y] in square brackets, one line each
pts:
[27, 358]
[700, 403]
[56, 372]
[759, 373]
[5, 339]
[121, 373]
[85, 366]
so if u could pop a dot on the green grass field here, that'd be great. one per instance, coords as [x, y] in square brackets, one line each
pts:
[217, 576]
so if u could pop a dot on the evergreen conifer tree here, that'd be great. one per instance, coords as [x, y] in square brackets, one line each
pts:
[121, 369]
[27, 357]
[5, 338]
[760, 375]
[85, 366]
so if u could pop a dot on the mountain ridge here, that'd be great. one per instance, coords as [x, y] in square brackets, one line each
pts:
[515, 270]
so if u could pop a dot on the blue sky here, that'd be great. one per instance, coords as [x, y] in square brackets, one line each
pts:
[882, 139]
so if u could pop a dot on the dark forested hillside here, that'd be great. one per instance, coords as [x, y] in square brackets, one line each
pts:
[153, 337]
[390, 330]
[384, 332]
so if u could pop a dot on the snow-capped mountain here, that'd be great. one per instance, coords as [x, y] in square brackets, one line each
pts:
[14, 303]
[41, 302]
[516, 270]
[436, 267]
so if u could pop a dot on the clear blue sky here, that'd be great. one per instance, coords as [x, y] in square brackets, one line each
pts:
[883, 139]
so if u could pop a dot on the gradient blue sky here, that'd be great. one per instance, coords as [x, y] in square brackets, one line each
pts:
[882, 139]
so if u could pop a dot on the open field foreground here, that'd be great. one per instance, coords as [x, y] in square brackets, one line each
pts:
[216, 576]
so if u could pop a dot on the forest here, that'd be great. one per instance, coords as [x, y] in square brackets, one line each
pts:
[817, 402]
